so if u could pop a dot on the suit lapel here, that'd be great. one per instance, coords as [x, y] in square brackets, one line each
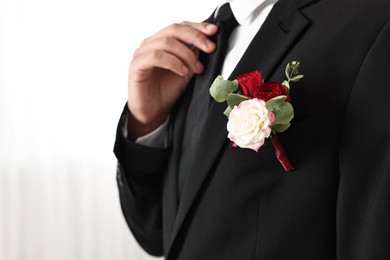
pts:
[170, 192]
[282, 28]
[284, 25]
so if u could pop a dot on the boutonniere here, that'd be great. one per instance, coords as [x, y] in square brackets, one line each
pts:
[257, 110]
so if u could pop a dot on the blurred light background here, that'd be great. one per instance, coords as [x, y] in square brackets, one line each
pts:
[63, 84]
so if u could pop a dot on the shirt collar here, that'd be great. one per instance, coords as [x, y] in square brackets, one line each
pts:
[242, 9]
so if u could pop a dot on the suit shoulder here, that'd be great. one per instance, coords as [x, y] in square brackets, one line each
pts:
[363, 14]
[367, 9]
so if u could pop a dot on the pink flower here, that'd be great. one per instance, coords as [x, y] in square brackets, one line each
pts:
[249, 124]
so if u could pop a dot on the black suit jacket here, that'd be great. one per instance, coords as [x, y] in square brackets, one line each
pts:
[239, 204]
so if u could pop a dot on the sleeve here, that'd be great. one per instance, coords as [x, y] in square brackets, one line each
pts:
[158, 138]
[139, 178]
[363, 206]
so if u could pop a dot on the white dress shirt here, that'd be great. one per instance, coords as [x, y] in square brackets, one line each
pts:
[250, 15]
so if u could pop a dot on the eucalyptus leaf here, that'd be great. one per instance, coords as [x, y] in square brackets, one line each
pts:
[286, 84]
[292, 69]
[220, 89]
[227, 111]
[284, 113]
[275, 102]
[235, 99]
[280, 127]
[296, 78]
[295, 65]
[287, 71]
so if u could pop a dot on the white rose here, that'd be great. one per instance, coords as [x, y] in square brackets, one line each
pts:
[249, 124]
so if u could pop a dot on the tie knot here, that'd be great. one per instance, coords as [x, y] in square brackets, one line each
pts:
[226, 17]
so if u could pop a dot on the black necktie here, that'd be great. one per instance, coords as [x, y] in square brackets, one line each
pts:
[198, 109]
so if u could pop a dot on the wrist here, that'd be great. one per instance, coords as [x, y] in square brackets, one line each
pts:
[136, 128]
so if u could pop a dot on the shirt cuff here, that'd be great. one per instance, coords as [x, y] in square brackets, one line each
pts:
[158, 138]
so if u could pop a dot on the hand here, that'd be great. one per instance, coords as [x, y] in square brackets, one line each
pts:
[161, 69]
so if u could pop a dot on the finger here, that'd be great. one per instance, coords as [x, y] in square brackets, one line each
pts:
[176, 48]
[157, 59]
[193, 34]
[206, 28]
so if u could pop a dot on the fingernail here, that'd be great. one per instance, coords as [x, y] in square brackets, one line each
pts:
[210, 27]
[209, 44]
[199, 66]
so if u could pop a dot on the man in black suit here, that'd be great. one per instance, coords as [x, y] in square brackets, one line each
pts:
[209, 200]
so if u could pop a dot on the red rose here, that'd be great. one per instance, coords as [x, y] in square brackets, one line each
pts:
[249, 82]
[251, 85]
[269, 90]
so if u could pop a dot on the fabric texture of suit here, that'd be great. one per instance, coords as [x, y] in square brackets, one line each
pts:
[239, 204]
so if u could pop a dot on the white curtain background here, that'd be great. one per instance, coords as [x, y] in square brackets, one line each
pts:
[63, 84]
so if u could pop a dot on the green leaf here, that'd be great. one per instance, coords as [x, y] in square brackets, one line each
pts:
[227, 111]
[287, 71]
[284, 113]
[292, 69]
[220, 89]
[275, 102]
[280, 127]
[296, 78]
[235, 99]
[286, 84]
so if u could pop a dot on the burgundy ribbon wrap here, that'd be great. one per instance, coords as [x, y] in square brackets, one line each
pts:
[281, 154]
